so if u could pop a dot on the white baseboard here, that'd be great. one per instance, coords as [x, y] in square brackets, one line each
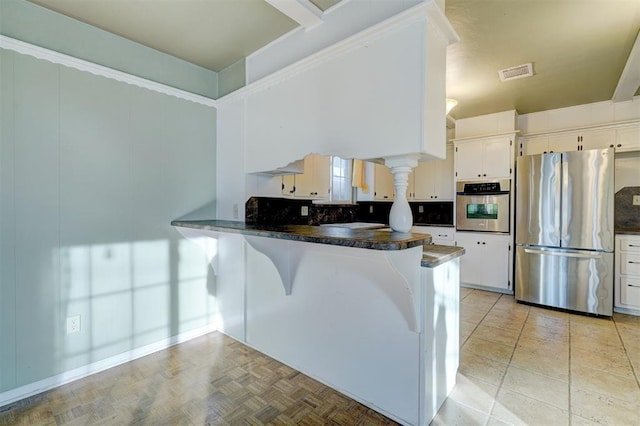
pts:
[49, 383]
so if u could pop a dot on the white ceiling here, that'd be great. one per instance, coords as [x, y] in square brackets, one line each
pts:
[578, 47]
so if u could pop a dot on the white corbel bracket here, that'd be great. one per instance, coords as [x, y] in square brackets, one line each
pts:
[283, 256]
[206, 240]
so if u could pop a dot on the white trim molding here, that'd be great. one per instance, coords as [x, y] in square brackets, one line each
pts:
[52, 56]
[49, 383]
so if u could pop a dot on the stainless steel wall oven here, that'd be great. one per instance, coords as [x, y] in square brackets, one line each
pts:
[483, 206]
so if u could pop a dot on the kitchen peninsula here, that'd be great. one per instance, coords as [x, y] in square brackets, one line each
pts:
[371, 313]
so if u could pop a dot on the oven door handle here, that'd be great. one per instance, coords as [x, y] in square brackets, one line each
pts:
[481, 194]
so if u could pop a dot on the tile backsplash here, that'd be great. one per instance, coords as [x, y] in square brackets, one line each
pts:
[287, 211]
[627, 215]
[282, 211]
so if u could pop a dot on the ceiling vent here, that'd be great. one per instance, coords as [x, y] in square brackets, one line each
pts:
[521, 71]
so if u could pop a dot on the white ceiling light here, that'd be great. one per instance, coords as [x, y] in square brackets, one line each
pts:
[450, 104]
[521, 71]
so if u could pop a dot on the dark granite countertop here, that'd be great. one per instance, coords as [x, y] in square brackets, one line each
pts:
[358, 238]
[434, 255]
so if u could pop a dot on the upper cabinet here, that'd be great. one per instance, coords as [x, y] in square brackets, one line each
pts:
[622, 139]
[485, 158]
[314, 183]
[383, 183]
[429, 181]
[628, 139]
[433, 180]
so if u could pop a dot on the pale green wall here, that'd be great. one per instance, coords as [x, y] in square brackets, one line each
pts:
[92, 171]
[33, 24]
[232, 78]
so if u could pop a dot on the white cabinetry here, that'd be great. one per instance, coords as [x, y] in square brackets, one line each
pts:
[314, 183]
[440, 235]
[628, 139]
[622, 139]
[433, 180]
[484, 158]
[429, 181]
[383, 183]
[486, 261]
[627, 284]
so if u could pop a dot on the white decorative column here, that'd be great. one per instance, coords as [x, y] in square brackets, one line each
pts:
[400, 218]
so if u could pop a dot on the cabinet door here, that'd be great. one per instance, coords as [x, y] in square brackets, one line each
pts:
[496, 257]
[486, 260]
[383, 183]
[564, 143]
[315, 181]
[535, 146]
[321, 176]
[443, 180]
[473, 262]
[598, 139]
[496, 158]
[468, 160]
[304, 181]
[288, 185]
[411, 185]
[424, 179]
[628, 139]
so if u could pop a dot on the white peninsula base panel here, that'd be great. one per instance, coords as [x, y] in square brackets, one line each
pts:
[372, 324]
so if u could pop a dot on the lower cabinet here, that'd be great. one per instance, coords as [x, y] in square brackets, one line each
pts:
[486, 261]
[627, 275]
[440, 235]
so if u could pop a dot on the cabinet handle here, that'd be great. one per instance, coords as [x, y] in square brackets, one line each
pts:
[484, 174]
[635, 263]
[483, 243]
[435, 196]
[479, 175]
[619, 145]
[611, 146]
[386, 196]
[478, 242]
[633, 245]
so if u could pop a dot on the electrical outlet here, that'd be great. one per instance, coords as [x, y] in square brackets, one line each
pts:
[636, 200]
[235, 212]
[304, 211]
[370, 209]
[73, 324]
[420, 209]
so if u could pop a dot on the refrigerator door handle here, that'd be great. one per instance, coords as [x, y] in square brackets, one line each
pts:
[563, 253]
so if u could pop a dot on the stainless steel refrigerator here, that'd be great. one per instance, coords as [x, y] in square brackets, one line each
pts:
[564, 230]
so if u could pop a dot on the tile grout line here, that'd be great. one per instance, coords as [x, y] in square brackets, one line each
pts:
[481, 319]
[569, 378]
[626, 353]
[495, 400]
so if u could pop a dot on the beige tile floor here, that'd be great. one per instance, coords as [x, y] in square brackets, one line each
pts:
[521, 364]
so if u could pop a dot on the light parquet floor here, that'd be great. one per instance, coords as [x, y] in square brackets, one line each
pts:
[519, 365]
